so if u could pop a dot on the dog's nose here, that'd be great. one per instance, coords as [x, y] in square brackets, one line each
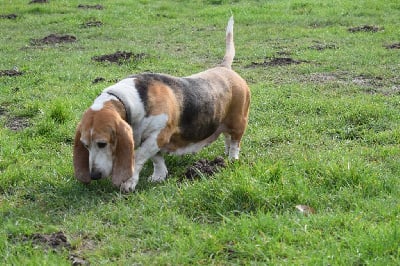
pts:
[95, 175]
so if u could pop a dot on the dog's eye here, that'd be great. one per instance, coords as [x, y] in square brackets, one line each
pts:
[101, 145]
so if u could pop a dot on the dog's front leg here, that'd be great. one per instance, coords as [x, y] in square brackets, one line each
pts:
[160, 169]
[147, 150]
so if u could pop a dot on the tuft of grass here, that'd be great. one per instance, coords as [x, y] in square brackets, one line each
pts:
[59, 113]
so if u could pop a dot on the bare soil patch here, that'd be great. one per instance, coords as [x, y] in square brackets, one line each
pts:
[17, 123]
[205, 167]
[98, 80]
[365, 28]
[2, 111]
[363, 80]
[38, 1]
[323, 46]
[9, 16]
[98, 7]
[94, 23]
[53, 241]
[276, 61]
[10, 72]
[54, 39]
[393, 46]
[77, 260]
[119, 57]
[322, 77]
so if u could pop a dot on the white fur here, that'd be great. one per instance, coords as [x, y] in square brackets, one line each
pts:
[160, 169]
[229, 28]
[98, 103]
[227, 143]
[234, 150]
[150, 128]
[100, 159]
[129, 94]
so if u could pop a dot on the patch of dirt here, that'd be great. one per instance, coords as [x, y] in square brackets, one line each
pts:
[322, 46]
[94, 23]
[2, 111]
[205, 167]
[322, 77]
[38, 1]
[77, 260]
[346, 78]
[276, 61]
[17, 123]
[53, 241]
[11, 72]
[393, 46]
[9, 16]
[394, 90]
[368, 81]
[119, 57]
[98, 7]
[98, 80]
[54, 39]
[365, 28]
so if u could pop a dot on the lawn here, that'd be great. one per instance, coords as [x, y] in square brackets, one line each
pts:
[324, 132]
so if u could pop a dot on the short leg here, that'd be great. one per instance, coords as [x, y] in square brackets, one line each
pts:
[130, 184]
[148, 149]
[160, 169]
[234, 149]
[227, 143]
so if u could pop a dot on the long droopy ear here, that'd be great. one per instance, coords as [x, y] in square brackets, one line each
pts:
[81, 159]
[124, 160]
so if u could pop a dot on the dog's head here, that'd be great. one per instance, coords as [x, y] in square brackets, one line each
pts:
[103, 147]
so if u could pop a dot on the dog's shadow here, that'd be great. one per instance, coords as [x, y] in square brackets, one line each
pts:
[69, 195]
[56, 202]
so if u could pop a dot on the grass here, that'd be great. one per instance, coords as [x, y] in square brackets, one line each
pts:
[322, 133]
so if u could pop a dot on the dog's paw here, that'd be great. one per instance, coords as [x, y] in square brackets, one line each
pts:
[160, 174]
[157, 178]
[129, 185]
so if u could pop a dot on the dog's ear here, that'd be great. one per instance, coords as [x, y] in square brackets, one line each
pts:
[124, 160]
[81, 159]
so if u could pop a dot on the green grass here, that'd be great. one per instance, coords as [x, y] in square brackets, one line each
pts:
[323, 133]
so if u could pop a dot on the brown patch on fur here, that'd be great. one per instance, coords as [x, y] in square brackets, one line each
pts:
[106, 125]
[162, 100]
[232, 106]
[81, 158]
[124, 159]
[236, 108]
[238, 113]
[176, 142]
[118, 106]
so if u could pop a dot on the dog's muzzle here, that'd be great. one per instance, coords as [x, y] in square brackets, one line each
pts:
[96, 175]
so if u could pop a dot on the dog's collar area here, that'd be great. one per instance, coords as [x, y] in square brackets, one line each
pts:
[127, 113]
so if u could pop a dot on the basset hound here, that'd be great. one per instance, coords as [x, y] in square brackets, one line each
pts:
[145, 115]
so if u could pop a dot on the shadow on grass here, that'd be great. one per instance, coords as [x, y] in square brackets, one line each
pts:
[48, 201]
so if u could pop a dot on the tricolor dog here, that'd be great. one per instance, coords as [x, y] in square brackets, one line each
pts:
[145, 115]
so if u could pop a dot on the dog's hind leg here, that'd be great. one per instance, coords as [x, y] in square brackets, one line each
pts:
[227, 143]
[232, 146]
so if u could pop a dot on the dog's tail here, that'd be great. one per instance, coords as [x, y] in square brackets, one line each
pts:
[230, 47]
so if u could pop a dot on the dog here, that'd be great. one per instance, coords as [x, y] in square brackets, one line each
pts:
[146, 115]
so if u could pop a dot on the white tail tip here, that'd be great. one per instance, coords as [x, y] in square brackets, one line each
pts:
[229, 28]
